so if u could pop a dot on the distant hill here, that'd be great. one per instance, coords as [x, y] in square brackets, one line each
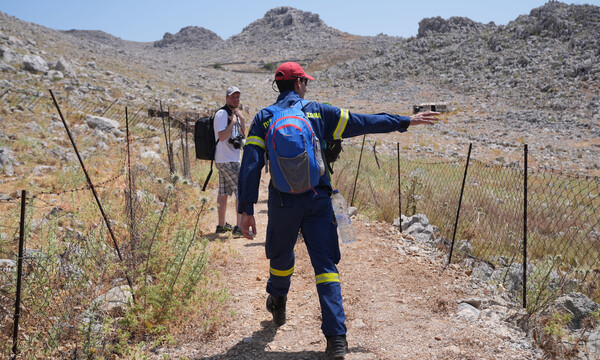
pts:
[97, 36]
[287, 26]
[190, 37]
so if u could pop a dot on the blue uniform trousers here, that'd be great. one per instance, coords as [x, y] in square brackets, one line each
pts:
[312, 213]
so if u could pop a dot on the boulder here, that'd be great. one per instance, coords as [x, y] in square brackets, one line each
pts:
[35, 64]
[150, 155]
[415, 219]
[467, 312]
[116, 300]
[8, 55]
[42, 169]
[5, 156]
[592, 346]
[6, 161]
[55, 75]
[63, 66]
[577, 304]
[104, 125]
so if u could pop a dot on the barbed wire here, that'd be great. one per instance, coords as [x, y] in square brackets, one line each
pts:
[58, 193]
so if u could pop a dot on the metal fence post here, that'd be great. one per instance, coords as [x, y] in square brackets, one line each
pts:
[167, 132]
[17, 314]
[132, 222]
[399, 187]
[91, 185]
[525, 227]
[357, 170]
[186, 153]
[460, 203]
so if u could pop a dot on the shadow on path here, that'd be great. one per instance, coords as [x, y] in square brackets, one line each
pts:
[254, 347]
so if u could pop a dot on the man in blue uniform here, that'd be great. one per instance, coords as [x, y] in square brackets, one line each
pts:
[311, 211]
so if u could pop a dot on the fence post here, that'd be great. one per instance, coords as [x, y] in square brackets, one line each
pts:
[399, 187]
[357, 170]
[525, 227]
[132, 232]
[462, 189]
[182, 132]
[108, 108]
[167, 132]
[17, 314]
[91, 184]
[186, 153]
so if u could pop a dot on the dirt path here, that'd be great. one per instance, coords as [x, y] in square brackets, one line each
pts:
[397, 306]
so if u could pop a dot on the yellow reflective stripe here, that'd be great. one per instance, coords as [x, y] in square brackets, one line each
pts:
[328, 277]
[282, 272]
[341, 126]
[255, 140]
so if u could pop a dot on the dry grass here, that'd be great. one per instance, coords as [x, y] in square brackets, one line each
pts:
[562, 212]
[64, 226]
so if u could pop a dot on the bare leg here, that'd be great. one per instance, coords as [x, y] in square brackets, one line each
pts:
[222, 208]
[239, 216]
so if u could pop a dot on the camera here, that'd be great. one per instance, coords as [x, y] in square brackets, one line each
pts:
[237, 141]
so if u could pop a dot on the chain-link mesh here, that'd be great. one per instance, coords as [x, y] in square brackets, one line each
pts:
[563, 234]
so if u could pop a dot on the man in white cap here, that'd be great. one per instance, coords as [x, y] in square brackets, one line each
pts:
[230, 130]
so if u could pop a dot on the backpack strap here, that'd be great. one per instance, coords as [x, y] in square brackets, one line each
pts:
[216, 142]
[208, 176]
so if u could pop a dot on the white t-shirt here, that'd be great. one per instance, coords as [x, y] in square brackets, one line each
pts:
[225, 151]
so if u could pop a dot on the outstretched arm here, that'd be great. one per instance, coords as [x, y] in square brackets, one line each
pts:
[341, 123]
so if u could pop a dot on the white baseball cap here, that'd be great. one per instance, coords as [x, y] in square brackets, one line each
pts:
[232, 90]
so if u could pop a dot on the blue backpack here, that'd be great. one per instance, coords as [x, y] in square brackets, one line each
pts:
[293, 150]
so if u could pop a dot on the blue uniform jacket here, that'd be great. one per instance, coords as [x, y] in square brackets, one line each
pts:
[328, 122]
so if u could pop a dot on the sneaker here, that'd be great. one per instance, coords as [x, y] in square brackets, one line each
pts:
[237, 231]
[276, 306]
[223, 229]
[337, 346]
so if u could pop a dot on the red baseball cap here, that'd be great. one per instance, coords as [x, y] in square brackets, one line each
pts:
[290, 71]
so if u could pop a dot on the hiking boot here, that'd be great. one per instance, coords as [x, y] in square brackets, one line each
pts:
[237, 231]
[223, 229]
[276, 306]
[337, 346]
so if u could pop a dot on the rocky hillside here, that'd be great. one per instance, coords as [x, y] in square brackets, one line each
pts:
[190, 36]
[99, 37]
[547, 61]
[534, 80]
[289, 30]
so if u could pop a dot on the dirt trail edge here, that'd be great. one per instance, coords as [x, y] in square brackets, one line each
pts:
[400, 303]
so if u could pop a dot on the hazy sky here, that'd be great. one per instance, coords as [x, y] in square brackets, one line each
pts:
[148, 20]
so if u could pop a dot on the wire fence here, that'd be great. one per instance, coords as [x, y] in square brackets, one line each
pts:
[547, 222]
[67, 266]
[507, 218]
[74, 288]
[75, 275]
